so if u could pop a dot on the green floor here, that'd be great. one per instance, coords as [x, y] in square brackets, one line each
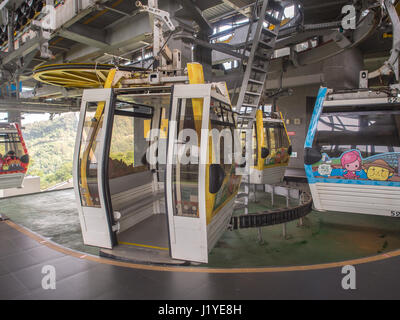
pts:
[51, 214]
[324, 237]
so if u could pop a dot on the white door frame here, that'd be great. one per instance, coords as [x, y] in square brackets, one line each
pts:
[188, 235]
[95, 223]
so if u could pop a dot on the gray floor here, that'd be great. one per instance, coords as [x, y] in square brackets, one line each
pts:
[295, 173]
[22, 260]
[152, 231]
[146, 242]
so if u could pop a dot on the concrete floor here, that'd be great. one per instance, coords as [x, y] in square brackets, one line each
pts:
[324, 238]
[51, 214]
[22, 260]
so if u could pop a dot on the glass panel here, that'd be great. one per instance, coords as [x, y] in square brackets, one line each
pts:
[268, 138]
[162, 145]
[225, 148]
[371, 134]
[185, 172]
[128, 146]
[358, 145]
[89, 156]
[278, 143]
[278, 136]
[284, 137]
[223, 123]
[272, 140]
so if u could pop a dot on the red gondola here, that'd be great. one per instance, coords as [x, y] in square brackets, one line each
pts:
[14, 158]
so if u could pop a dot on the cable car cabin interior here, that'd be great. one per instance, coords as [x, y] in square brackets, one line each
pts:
[352, 155]
[271, 149]
[14, 158]
[125, 205]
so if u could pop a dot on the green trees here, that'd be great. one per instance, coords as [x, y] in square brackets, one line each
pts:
[122, 140]
[51, 145]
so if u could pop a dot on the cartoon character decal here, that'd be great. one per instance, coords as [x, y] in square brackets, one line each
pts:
[379, 170]
[325, 169]
[351, 166]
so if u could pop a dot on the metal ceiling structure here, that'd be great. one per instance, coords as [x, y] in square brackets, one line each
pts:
[115, 31]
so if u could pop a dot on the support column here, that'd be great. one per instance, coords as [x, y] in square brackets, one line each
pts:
[14, 116]
[204, 56]
[10, 29]
[185, 48]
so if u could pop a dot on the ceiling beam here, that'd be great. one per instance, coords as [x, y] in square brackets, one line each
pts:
[24, 50]
[128, 34]
[84, 34]
[198, 17]
[245, 12]
[28, 105]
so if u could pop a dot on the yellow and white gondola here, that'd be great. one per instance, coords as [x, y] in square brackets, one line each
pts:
[271, 149]
[116, 196]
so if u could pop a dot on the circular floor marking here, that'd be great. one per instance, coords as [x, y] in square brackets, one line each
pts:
[79, 255]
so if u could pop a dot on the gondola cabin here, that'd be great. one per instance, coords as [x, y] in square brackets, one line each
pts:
[14, 158]
[144, 191]
[271, 149]
[352, 152]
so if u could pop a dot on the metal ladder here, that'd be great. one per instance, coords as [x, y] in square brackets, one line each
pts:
[261, 49]
[245, 122]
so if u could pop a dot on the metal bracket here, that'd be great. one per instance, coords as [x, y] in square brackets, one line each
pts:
[392, 63]
[163, 15]
[293, 56]
[45, 52]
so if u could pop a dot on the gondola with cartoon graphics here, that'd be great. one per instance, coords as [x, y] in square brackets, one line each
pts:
[14, 158]
[352, 152]
[271, 149]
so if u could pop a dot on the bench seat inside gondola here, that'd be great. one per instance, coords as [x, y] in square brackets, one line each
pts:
[133, 197]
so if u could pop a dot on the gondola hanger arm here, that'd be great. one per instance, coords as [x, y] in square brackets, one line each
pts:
[161, 14]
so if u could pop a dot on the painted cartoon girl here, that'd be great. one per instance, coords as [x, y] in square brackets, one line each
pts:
[351, 163]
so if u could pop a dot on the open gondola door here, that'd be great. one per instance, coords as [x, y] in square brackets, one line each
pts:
[89, 171]
[200, 187]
